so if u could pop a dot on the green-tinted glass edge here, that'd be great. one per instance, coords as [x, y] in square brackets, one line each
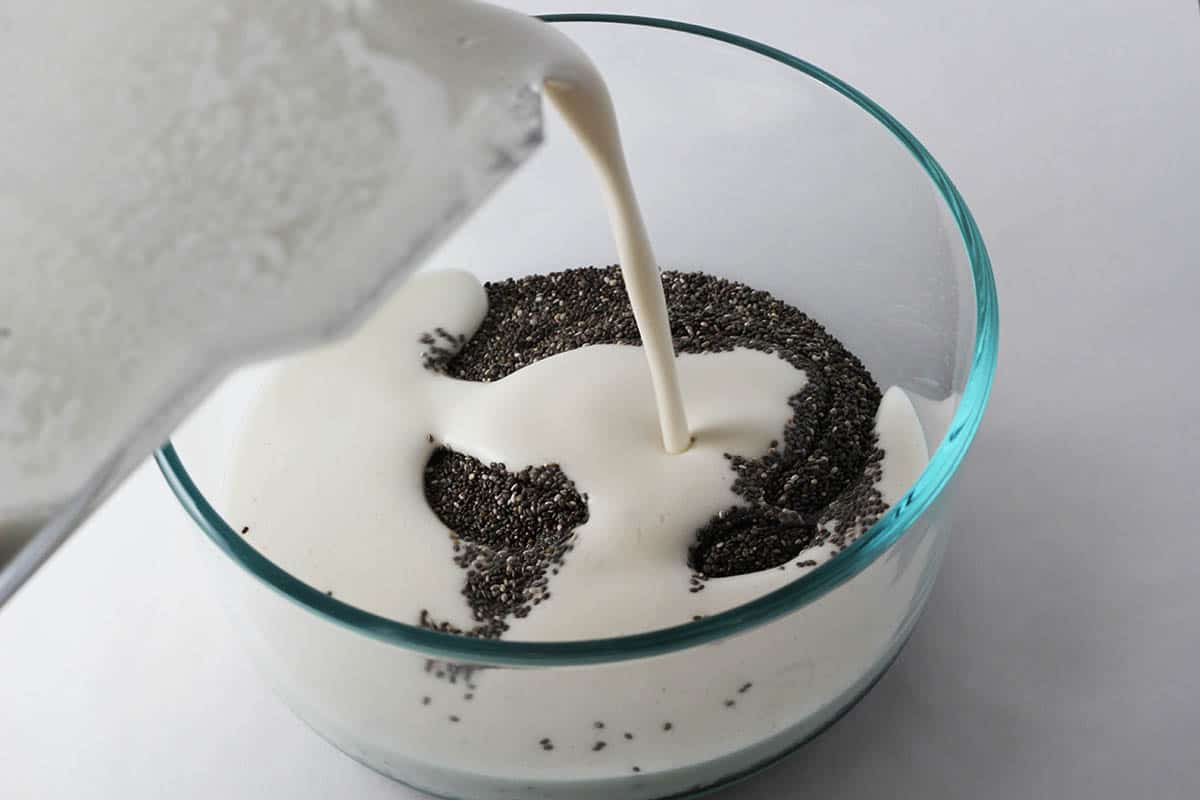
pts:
[805, 589]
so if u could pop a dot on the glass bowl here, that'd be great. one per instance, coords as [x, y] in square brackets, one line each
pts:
[750, 164]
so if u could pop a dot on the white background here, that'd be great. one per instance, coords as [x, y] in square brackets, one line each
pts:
[1060, 653]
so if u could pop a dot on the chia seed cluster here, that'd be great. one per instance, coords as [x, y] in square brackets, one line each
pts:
[510, 530]
[814, 486]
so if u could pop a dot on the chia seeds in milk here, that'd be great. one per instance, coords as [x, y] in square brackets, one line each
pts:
[815, 485]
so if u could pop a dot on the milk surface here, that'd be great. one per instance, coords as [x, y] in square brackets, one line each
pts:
[330, 464]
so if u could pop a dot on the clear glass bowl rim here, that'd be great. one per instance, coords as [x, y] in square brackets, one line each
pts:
[784, 600]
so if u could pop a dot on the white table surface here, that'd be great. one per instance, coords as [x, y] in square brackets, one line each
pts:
[1060, 652]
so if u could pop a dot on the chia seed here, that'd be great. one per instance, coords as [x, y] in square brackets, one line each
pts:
[445, 670]
[814, 486]
[506, 546]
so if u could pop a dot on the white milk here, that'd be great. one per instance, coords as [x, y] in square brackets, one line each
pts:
[328, 476]
[587, 107]
[330, 465]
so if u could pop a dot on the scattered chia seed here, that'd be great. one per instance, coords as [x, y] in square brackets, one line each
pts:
[628, 735]
[449, 671]
[453, 718]
[599, 746]
[441, 348]
[598, 726]
[468, 696]
[245, 529]
[426, 700]
[730, 703]
[637, 769]
[668, 726]
[745, 688]
[816, 487]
